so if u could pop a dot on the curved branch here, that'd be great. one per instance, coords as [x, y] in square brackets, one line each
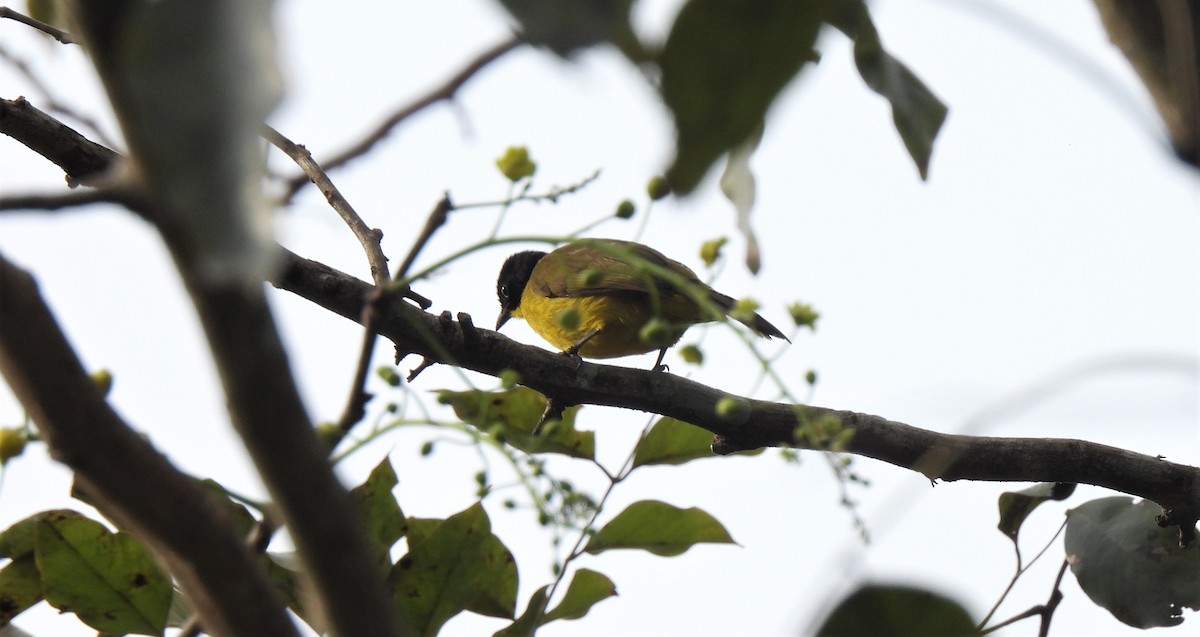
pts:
[756, 423]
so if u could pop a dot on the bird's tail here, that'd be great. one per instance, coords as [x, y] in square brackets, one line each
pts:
[755, 322]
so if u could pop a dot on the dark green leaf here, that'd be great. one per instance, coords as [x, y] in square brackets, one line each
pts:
[723, 65]
[20, 587]
[659, 528]
[565, 27]
[672, 441]
[453, 565]
[586, 590]
[385, 521]
[512, 415]
[1015, 506]
[108, 579]
[916, 111]
[898, 611]
[1130, 566]
[528, 622]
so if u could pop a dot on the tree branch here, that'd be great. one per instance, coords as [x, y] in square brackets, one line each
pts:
[81, 158]
[755, 423]
[50, 30]
[132, 482]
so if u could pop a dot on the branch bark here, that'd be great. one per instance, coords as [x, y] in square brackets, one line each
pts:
[1176, 487]
[132, 482]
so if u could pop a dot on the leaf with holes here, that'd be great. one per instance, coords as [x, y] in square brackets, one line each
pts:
[1129, 565]
[108, 579]
[453, 565]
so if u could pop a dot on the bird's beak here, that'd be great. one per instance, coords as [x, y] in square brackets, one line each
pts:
[502, 319]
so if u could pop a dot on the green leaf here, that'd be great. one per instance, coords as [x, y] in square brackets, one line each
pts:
[512, 415]
[17, 540]
[20, 587]
[108, 579]
[1015, 506]
[916, 111]
[1129, 565]
[565, 27]
[898, 611]
[723, 65]
[453, 565]
[672, 441]
[528, 622]
[586, 590]
[659, 528]
[385, 521]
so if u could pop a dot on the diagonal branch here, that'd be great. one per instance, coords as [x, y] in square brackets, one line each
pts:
[132, 481]
[79, 157]
[755, 423]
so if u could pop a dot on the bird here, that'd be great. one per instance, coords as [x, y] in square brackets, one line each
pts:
[607, 298]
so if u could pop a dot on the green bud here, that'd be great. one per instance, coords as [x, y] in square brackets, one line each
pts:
[730, 408]
[509, 378]
[710, 250]
[691, 354]
[568, 319]
[12, 443]
[590, 277]
[658, 188]
[515, 163]
[657, 332]
[625, 209]
[427, 448]
[810, 377]
[744, 309]
[803, 315]
[104, 380]
[388, 374]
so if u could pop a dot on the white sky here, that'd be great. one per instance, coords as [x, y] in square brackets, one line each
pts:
[1054, 234]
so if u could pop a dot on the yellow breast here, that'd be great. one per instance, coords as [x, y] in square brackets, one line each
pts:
[617, 318]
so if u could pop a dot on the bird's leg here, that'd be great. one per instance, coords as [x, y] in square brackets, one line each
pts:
[658, 366]
[573, 351]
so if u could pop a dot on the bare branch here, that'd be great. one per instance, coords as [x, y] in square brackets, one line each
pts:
[50, 203]
[50, 30]
[755, 423]
[132, 482]
[82, 159]
[444, 92]
[367, 236]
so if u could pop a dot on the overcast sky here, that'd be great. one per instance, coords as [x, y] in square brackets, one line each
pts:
[1054, 247]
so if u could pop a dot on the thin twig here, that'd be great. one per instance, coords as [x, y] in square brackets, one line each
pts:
[54, 32]
[1056, 597]
[55, 202]
[367, 236]
[356, 403]
[446, 91]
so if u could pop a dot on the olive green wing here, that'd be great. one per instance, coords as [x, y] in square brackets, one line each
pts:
[597, 267]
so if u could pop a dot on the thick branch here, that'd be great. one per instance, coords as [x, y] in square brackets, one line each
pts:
[78, 156]
[758, 423]
[132, 482]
